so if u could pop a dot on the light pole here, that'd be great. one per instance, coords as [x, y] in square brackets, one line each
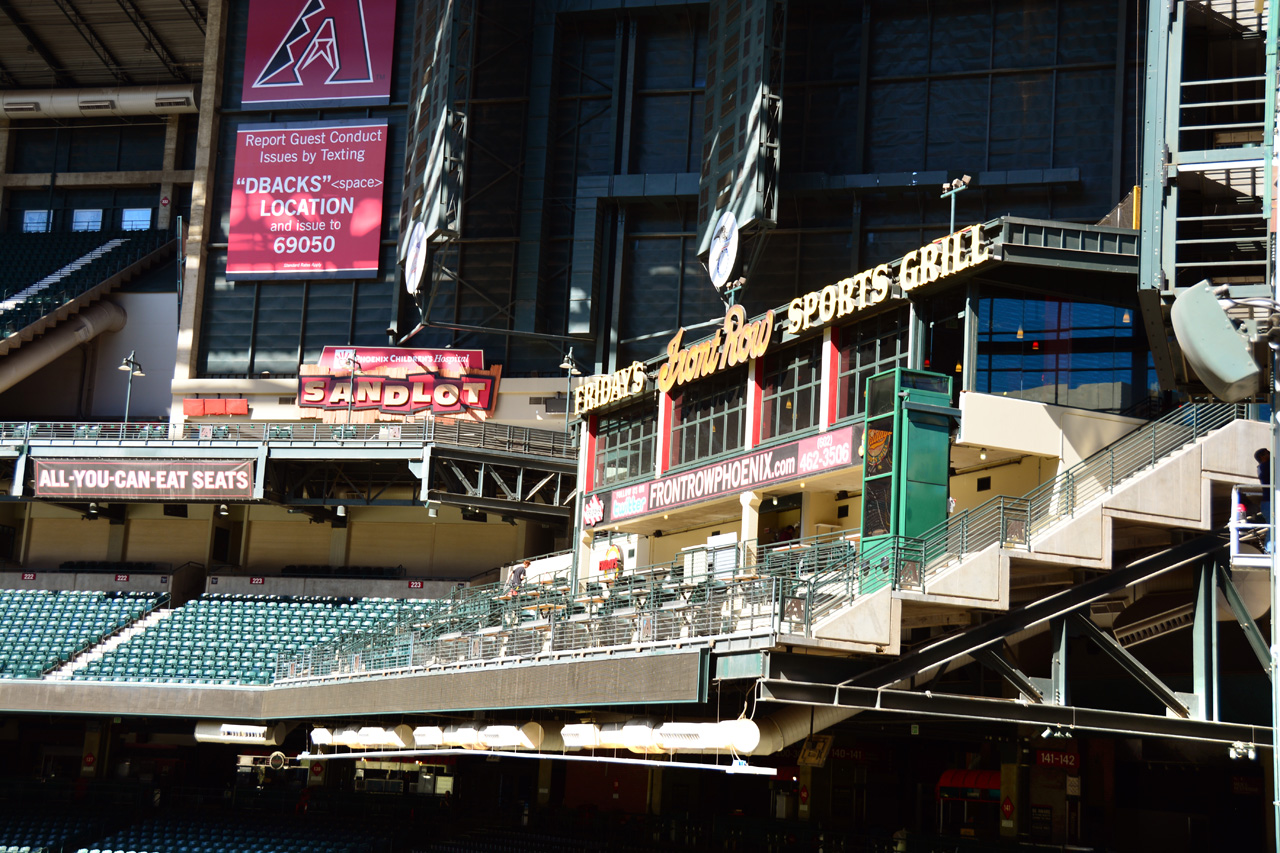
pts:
[951, 190]
[354, 367]
[571, 370]
[130, 365]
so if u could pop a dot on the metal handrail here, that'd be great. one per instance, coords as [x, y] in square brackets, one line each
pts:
[1015, 521]
[482, 435]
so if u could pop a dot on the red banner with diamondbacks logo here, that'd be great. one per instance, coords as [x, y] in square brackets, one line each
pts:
[315, 53]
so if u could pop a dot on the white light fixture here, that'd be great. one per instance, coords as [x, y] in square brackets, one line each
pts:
[222, 510]
[983, 455]
[433, 511]
[342, 511]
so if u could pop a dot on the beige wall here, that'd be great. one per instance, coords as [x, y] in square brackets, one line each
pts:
[272, 545]
[1013, 480]
[1021, 426]
[54, 540]
[170, 540]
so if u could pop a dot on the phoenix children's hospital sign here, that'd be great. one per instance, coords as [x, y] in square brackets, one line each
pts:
[816, 454]
[307, 200]
[144, 479]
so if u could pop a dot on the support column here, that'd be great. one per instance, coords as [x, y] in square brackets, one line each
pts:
[115, 542]
[1058, 634]
[1204, 643]
[749, 534]
[582, 559]
[6, 149]
[338, 545]
[164, 212]
[201, 192]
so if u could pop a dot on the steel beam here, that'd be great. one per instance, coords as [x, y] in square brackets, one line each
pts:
[95, 44]
[1204, 641]
[196, 13]
[60, 75]
[152, 40]
[1131, 665]
[1034, 613]
[1252, 633]
[1006, 710]
[993, 660]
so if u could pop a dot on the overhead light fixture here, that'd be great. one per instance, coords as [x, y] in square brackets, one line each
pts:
[432, 511]
[342, 511]
[1125, 318]
[775, 500]
[1019, 331]
[222, 510]
[93, 509]
[983, 455]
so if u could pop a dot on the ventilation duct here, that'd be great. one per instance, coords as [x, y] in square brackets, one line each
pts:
[119, 101]
[242, 733]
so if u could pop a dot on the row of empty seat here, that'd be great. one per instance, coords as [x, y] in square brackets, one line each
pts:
[127, 566]
[344, 571]
[45, 271]
[40, 629]
[235, 639]
[194, 835]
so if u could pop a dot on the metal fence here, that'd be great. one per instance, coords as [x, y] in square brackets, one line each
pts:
[1014, 522]
[743, 590]
[483, 435]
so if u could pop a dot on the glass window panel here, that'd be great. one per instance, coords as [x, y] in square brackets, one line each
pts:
[136, 219]
[86, 220]
[35, 221]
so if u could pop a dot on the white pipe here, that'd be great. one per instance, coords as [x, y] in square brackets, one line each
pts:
[104, 316]
[91, 103]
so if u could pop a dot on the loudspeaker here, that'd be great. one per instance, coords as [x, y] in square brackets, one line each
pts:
[1213, 347]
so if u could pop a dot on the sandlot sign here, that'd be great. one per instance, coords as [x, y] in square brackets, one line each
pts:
[145, 479]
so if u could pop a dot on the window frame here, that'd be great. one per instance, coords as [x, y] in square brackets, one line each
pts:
[709, 418]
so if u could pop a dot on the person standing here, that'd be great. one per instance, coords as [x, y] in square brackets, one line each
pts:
[517, 576]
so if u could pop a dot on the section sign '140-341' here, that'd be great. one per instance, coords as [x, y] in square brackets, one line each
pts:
[307, 200]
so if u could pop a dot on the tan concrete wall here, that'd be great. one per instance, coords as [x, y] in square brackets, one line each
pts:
[1014, 480]
[272, 545]
[55, 539]
[170, 540]
[1022, 426]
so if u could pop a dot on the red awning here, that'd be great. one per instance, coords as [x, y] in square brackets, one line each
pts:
[971, 785]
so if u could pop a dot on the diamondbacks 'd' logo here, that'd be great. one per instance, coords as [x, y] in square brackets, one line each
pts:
[327, 43]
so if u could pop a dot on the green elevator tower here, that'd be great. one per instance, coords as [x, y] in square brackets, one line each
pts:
[907, 456]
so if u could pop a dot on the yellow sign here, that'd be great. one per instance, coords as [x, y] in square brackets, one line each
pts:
[596, 392]
[733, 344]
[950, 255]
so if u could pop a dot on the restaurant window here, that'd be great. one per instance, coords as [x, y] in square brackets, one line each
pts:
[1081, 354]
[708, 417]
[867, 348]
[625, 444]
[792, 389]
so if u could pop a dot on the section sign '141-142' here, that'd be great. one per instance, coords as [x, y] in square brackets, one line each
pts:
[307, 200]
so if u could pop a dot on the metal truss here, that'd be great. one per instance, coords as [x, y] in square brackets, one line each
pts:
[152, 40]
[514, 486]
[60, 75]
[538, 489]
[909, 685]
[197, 14]
[91, 38]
